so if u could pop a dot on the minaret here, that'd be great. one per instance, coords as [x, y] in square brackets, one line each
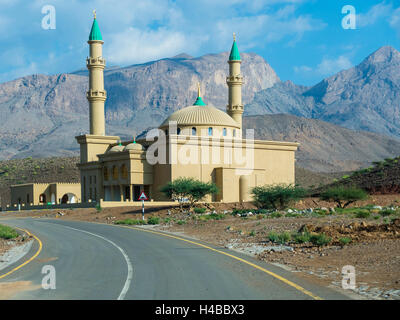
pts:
[96, 94]
[235, 81]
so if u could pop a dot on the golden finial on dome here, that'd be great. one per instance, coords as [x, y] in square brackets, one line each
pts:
[198, 89]
[234, 36]
[94, 13]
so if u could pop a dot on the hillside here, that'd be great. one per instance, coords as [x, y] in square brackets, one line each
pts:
[42, 114]
[18, 171]
[381, 178]
[365, 97]
[324, 147]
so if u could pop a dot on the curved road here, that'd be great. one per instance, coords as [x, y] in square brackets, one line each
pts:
[98, 261]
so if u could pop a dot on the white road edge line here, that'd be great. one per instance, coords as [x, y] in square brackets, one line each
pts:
[128, 262]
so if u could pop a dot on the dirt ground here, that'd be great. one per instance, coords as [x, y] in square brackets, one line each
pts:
[7, 244]
[374, 250]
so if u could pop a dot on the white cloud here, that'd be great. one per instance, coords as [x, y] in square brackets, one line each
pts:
[208, 28]
[137, 46]
[378, 11]
[137, 31]
[32, 68]
[302, 69]
[395, 20]
[326, 67]
[330, 66]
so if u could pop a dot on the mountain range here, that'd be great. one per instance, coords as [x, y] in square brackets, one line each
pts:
[365, 97]
[41, 114]
[324, 147]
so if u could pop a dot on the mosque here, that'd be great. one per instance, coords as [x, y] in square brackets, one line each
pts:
[197, 141]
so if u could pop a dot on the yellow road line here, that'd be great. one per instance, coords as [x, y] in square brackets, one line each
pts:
[288, 282]
[30, 259]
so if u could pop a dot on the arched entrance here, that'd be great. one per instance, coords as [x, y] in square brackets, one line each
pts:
[42, 198]
[69, 198]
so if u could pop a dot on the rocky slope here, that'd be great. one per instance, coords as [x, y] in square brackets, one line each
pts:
[365, 97]
[41, 114]
[324, 147]
[383, 177]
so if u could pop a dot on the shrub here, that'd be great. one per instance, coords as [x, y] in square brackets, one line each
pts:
[200, 210]
[277, 196]
[130, 222]
[181, 222]
[252, 233]
[7, 232]
[292, 215]
[320, 239]
[214, 216]
[167, 220]
[343, 196]
[273, 236]
[302, 237]
[386, 220]
[275, 215]
[344, 241]
[153, 220]
[281, 238]
[98, 207]
[363, 214]
[386, 212]
[188, 189]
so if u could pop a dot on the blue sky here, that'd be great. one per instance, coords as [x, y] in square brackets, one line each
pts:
[303, 40]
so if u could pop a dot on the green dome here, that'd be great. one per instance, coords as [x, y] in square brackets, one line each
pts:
[234, 52]
[95, 33]
[199, 102]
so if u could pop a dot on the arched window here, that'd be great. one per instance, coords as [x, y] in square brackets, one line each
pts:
[210, 131]
[166, 132]
[194, 131]
[42, 198]
[105, 174]
[124, 172]
[179, 131]
[115, 173]
[234, 132]
[224, 132]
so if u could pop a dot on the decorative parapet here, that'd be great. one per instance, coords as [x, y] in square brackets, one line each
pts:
[97, 62]
[237, 107]
[237, 79]
[96, 94]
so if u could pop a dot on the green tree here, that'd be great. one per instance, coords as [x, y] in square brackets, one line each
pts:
[277, 196]
[188, 189]
[343, 196]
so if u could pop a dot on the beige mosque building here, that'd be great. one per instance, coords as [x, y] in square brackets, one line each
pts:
[197, 141]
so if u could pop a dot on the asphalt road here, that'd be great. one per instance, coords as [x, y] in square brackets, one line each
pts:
[98, 261]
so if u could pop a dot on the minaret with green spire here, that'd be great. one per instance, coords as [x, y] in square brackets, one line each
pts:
[235, 82]
[96, 94]
[199, 100]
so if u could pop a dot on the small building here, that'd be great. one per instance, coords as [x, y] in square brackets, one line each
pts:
[35, 194]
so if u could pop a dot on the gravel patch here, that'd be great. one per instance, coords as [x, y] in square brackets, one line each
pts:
[14, 254]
